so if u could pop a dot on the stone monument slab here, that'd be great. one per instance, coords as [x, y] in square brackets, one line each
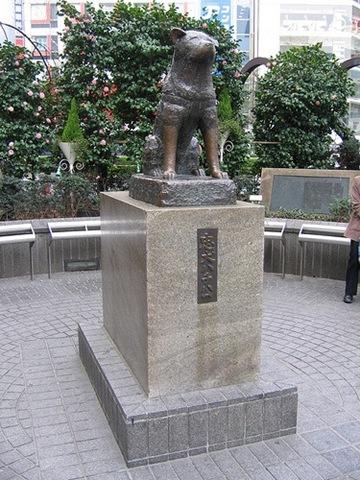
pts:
[309, 190]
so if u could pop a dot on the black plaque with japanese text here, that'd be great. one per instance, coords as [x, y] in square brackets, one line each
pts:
[207, 241]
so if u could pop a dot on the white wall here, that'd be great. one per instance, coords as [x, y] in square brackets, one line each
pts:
[268, 32]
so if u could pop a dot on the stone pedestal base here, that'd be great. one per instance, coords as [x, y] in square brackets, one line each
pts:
[183, 191]
[182, 291]
[174, 426]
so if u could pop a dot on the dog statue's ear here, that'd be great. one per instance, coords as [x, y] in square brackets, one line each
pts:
[215, 42]
[176, 34]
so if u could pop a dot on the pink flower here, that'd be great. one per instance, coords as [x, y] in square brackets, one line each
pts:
[235, 50]
[126, 127]
[103, 142]
[30, 93]
[101, 131]
[204, 25]
[106, 89]
[94, 81]
[17, 63]
[10, 109]
[38, 135]
[11, 152]
[237, 74]
[42, 95]
[39, 109]
[10, 144]
[47, 141]
[48, 120]
[224, 62]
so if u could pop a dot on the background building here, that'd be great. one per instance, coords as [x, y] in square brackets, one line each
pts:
[264, 27]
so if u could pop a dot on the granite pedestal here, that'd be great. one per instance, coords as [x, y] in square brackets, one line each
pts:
[183, 190]
[180, 348]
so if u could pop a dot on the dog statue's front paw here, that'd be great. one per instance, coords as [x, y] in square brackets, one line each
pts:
[198, 172]
[169, 175]
[157, 172]
[219, 174]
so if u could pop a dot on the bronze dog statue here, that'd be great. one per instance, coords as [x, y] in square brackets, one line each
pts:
[188, 102]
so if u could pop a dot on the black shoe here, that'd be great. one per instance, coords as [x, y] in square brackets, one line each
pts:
[348, 298]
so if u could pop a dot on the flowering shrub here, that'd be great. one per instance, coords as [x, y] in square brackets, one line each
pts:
[47, 197]
[26, 127]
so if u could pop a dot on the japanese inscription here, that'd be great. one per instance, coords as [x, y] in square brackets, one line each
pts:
[207, 239]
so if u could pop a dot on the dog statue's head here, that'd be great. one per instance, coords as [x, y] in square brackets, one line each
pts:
[193, 44]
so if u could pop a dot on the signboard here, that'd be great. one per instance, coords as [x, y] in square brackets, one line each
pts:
[207, 239]
[221, 8]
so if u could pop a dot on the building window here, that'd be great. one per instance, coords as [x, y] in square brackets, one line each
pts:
[40, 42]
[39, 13]
[54, 47]
[107, 7]
[243, 27]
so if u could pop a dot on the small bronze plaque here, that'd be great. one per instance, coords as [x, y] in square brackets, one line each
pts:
[207, 264]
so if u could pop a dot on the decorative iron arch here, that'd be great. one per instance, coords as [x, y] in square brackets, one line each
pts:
[350, 63]
[252, 65]
[2, 24]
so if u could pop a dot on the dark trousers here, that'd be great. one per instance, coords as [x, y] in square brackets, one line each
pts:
[352, 272]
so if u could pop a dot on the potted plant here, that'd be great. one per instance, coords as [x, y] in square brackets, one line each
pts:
[72, 139]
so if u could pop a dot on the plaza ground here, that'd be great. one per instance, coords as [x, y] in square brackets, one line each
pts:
[52, 426]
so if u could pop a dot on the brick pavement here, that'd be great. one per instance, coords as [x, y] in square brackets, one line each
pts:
[52, 427]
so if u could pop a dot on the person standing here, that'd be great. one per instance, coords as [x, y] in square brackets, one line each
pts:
[353, 232]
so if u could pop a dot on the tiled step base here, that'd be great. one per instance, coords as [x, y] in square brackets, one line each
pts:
[164, 428]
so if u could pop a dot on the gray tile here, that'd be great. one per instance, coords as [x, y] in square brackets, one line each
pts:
[236, 422]
[218, 422]
[349, 431]
[324, 440]
[198, 428]
[254, 418]
[246, 459]
[289, 411]
[158, 436]
[141, 473]
[228, 465]
[322, 466]
[178, 433]
[346, 459]
[264, 454]
[207, 467]
[137, 440]
[272, 414]
[281, 449]
[185, 469]
[303, 470]
[282, 472]
[163, 471]
[301, 447]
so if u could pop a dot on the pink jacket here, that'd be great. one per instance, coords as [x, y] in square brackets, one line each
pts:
[353, 229]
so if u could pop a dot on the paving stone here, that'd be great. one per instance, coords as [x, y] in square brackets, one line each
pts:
[349, 431]
[324, 440]
[302, 345]
[346, 459]
[282, 472]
